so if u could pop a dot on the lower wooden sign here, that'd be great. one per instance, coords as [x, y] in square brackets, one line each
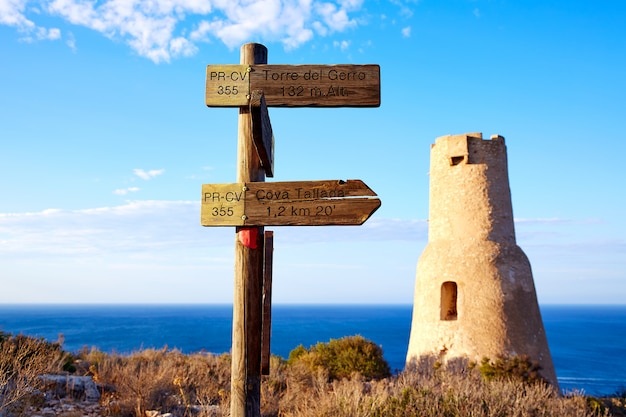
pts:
[297, 203]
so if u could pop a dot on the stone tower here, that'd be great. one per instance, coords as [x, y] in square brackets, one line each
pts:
[474, 290]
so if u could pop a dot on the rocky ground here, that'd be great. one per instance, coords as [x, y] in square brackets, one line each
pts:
[67, 407]
[71, 407]
[79, 396]
[72, 396]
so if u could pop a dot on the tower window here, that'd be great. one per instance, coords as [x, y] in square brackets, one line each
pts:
[455, 160]
[448, 301]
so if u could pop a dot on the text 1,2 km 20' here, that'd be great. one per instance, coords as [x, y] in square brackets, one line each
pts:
[294, 210]
[348, 211]
[297, 210]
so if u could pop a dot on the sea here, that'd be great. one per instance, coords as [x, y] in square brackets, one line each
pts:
[587, 343]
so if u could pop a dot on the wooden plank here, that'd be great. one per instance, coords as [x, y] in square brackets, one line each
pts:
[296, 203]
[223, 204]
[262, 133]
[340, 85]
[227, 85]
[318, 85]
[267, 303]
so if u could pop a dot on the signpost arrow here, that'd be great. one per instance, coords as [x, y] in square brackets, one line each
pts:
[297, 203]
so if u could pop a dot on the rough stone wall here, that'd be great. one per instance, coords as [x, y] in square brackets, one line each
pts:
[474, 290]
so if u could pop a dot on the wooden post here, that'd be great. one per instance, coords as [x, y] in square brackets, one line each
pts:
[267, 303]
[249, 253]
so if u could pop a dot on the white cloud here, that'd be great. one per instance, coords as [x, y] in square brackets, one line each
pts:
[183, 47]
[146, 175]
[131, 228]
[132, 245]
[165, 29]
[148, 225]
[343, 45]
[70, 41]
[12, 13]
[374, 229]
[405, 6]
[336, 18]
[406, 32]
[124, 191]
[153, 226]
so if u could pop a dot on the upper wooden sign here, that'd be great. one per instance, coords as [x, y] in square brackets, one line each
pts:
[293, 85]
[296, 203]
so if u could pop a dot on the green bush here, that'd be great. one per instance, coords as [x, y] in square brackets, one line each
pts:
[342, 358]
[517, 368]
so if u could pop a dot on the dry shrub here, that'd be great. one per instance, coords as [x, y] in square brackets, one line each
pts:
[205, 382]
[22, 361]
[198, 385]
[424, 389]
[143, 380]
[163, 380]
[273, 386]
[289, 387]
[465, 392]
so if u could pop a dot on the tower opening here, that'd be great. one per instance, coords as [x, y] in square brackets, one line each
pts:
[455, 160]
[448, 309]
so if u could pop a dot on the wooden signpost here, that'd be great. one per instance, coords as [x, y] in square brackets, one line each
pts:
[250, 204]
[298, 203]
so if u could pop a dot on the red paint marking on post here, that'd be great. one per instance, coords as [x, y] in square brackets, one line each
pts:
[248, 236]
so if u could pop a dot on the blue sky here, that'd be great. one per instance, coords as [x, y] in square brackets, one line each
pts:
[105, 142]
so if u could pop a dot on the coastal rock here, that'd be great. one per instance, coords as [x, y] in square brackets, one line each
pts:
[78, 387]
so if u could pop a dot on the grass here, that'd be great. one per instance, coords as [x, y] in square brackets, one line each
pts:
[346, 377]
